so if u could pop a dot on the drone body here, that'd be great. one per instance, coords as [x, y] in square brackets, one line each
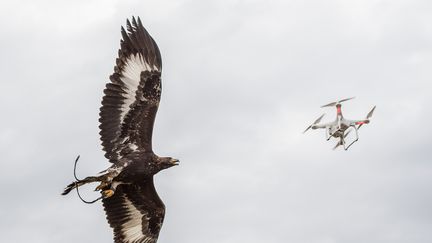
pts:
[339, 127]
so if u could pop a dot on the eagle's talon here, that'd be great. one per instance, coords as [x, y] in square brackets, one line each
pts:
[100, 187]
[107, 193]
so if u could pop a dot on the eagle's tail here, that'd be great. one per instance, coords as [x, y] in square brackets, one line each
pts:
[69, 188]
[79, 183]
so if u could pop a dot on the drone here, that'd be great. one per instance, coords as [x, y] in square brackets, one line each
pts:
[339, 128]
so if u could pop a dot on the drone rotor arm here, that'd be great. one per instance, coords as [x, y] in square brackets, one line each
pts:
[360, 124]
[357, 122]
[320, 126]
[325, 125]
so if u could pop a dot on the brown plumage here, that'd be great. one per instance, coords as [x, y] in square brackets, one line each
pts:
[129, 106]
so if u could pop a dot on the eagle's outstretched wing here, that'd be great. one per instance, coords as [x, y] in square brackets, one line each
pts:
[132, 97]
[135, 212]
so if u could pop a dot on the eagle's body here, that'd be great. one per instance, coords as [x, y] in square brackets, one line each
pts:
[129, 106]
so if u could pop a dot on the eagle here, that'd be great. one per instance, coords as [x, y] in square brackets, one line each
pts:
[129, 105]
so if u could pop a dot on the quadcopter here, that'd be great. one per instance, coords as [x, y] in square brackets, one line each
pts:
[339, 128]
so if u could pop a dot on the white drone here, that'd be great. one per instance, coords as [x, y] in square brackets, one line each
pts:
[339, 127]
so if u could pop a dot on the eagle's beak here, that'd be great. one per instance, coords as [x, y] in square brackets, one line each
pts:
[174, 161]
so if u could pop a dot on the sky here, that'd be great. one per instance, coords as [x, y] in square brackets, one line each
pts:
[241, 81]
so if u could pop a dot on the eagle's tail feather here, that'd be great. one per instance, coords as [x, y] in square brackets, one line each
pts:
[79, 183]
[69, 188]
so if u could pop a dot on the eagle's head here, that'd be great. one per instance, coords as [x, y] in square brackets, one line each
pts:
[166, 162]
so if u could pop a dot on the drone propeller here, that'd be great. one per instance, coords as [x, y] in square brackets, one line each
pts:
[315, 122]
[369, 115]
[337, 102]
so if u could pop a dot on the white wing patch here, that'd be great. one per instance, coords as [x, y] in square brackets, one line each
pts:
[133, 146]
[132, 229]
[131, 76]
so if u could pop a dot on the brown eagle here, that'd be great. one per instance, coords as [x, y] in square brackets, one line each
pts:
[133, 208]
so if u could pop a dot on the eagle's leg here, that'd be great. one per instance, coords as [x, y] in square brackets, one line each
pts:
[106, 188]
[108, 185]
[109, 191]
[102, 186]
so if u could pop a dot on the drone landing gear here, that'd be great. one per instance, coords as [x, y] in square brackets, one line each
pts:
[355, 140]
[328, 134]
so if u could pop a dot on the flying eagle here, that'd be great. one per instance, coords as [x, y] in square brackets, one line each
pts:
[133, 208]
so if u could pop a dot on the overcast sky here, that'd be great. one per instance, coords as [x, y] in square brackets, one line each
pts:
[241, 81]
